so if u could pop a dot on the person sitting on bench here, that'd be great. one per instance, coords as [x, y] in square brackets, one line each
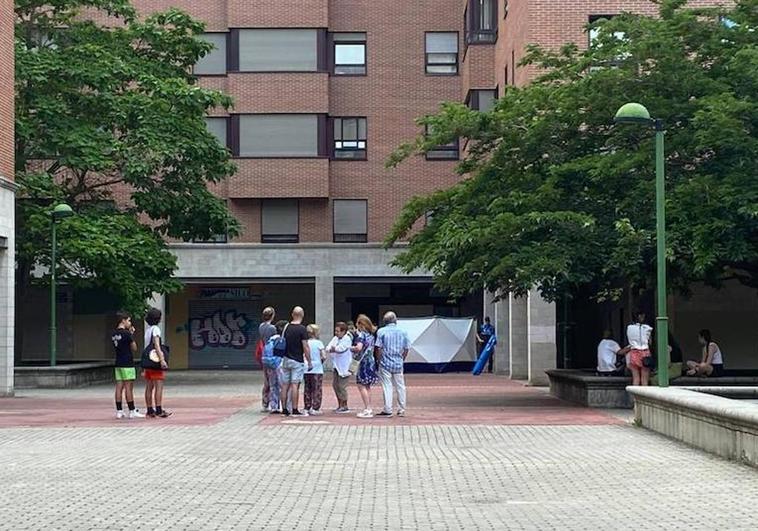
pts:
[611, 360]
[711, 362]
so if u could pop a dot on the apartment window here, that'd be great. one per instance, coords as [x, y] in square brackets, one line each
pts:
[349, 138]
[280, 221]
[594, 34]
[481, 21]
[217, 126]
[214, 62]
[442, 53]
[277, 50]
[350, 220]
[482, 100]
[349, 51]
[447, 151]
[278, 135]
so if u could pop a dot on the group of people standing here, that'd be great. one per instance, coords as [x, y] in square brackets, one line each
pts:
[638, 358]
[364, 352]
[125, 348]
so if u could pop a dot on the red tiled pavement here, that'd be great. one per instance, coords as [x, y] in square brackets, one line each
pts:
[433, 399]
[79, 412]
[460, 399]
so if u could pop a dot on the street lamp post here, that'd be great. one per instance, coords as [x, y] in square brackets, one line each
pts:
[60, 211]
[636, 113]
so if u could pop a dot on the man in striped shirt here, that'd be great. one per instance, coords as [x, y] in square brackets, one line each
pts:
[391, 348]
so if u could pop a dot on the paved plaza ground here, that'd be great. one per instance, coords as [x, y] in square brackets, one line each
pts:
[473, 453]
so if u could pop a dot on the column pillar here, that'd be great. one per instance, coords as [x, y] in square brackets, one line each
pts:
[518, 339]
[498, 311]
[542, 338]
[324, 317]
[7, 286]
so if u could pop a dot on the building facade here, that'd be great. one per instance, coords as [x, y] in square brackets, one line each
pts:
[7, 198]
[324, 91]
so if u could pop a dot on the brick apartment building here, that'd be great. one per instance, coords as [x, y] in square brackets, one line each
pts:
[324, 91]
[7, 198]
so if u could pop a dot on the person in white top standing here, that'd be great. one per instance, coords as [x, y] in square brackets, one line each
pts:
[712, 362]
[607, 354]
[314, 377]
[154, 378]
[638, 334]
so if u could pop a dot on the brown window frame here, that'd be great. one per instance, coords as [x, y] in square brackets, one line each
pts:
[361, 153]
[457, 56]
[355, 237]
[280, 238]
[333, 66]
[453, 149]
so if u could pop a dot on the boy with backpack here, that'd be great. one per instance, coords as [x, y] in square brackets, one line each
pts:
[125, 348]
[271, 362]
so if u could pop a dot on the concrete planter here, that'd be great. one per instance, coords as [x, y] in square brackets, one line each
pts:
[64, 376]
[587, 389]
[701, 418]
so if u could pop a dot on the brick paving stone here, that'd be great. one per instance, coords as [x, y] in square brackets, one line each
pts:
[239, 473]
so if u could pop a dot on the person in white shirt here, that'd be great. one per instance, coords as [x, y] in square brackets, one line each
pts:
[607, 353]
[314, 377]
[339, 348]
[638, 334]
[711, 362]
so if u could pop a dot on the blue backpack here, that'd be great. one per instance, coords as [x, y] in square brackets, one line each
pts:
[270, 359]
[280, 344]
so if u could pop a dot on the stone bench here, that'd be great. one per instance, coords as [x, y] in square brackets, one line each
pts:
[64, 376]
[586, 388]
[705, 417]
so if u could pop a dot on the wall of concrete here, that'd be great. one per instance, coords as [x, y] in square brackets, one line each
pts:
[7, 268]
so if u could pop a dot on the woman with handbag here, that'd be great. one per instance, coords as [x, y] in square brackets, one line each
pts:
[363, 353]
[154, 365]
[640, 359]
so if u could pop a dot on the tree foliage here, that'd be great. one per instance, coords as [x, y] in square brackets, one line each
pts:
[110, 120]
[556, 196]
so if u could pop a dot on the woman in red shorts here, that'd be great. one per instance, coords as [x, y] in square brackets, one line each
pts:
[154, 377]
[638, 334]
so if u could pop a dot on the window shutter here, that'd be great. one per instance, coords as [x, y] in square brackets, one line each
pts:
[279, 217]
[350, 216]
[271, 50]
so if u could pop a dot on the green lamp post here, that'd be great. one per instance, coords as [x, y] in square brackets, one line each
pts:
[634, 113]
[59, 212]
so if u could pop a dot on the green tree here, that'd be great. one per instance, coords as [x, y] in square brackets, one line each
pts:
[110, 120]
[555, 196]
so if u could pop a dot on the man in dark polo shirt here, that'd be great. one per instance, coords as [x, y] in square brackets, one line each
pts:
[295, 359]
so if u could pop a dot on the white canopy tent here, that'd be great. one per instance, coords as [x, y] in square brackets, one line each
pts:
[440, 341]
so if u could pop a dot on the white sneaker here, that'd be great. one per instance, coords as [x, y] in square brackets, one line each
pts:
[303, 413]
[136, 414]
[119, 414]
[315, 412]
[365, 414]
[400, 412]
[342, 410]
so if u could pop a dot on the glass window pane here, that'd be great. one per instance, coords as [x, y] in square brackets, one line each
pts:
[214, 62]
[349, 129]
[442, 42]
[485, 14]
[362, 128]
[268, 50]
[279, 135]
[441, 58]
[217, 127]
[486, 100]
[349, 54]
[338, 128]
[350, 216]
